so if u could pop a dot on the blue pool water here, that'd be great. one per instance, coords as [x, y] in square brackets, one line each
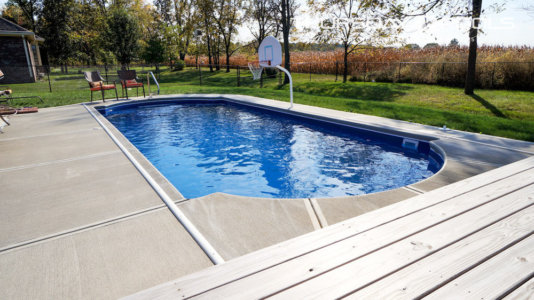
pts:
[204, 148]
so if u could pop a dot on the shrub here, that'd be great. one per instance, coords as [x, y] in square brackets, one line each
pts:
[179, 65]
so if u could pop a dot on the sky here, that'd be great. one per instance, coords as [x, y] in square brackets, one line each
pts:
[513, 26]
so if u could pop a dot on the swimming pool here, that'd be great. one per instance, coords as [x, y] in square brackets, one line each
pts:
[203, 147]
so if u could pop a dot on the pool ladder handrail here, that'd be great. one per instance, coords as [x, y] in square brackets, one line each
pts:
[148, 83]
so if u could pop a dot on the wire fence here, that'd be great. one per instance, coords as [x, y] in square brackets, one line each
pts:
[490, 75]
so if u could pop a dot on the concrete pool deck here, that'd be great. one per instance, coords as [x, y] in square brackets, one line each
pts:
[77, 219]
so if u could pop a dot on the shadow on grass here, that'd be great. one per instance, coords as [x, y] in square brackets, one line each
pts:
[494, 110]
[361, 91]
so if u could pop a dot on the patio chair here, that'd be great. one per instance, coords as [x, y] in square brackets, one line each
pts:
[6, 95]
[96, 83]
[6, 110]
[129, 79]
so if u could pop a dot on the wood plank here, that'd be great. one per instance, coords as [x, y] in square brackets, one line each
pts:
[490, 279]
[415, 279]
[291, 272]
[272, 256]
[524, 292]
[346, 278]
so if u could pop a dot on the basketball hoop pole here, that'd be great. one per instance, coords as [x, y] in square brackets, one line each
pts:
[290, 84]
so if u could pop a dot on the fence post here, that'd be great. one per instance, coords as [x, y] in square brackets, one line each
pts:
[261, 79]
[279, 78]
[365, 72]
[399, 74]
[200, 74]
[238, 74]
[309, 69]
[106, 71]
[48, 74]
[531, 71]
[337, 64]
[493, 74]
[443, 72]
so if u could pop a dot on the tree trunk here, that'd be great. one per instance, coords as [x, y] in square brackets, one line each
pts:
[209, 54]
[345, 64]
[286, 24]
[227, 62]
[472, 60]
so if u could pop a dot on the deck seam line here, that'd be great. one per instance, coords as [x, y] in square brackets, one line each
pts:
[516, 286]
[413, 189]
[311, 213]
[80, 229]
[318, 212]
[47, 134]
[53, 162]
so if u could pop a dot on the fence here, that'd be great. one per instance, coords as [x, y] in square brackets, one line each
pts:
[493, 75]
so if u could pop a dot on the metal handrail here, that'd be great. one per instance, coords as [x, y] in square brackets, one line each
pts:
[148, 82]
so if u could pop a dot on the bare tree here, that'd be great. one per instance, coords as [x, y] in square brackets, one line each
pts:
[227, 17]
[354, 24]
[451, 8]
[185, 19]
[262, 13]
[285, 16]
[31, 10]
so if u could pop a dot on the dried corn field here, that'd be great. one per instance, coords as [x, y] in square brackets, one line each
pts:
[497, 67]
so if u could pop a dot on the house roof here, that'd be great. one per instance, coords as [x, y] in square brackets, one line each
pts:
[8, 28]
[6, 25]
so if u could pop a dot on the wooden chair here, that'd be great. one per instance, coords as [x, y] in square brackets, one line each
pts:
[96, 83]
[129, 79]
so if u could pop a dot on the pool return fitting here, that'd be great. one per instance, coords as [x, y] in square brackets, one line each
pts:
[215, 257]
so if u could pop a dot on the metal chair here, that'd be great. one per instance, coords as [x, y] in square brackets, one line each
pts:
[129, 79]
[96, 83]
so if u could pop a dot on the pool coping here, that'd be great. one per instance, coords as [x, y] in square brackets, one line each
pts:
[426, 133]
[229, 98]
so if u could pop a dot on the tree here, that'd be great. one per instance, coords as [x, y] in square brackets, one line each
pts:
[54, 23]
[180, 17]
[457, 8]
[262, 13]
[412, 46]
[354, 24]
[86, 25]
[122, 34]
[472, 60]
[431, 46]
[205, 14]
[154, 52]
[186, 20]
[227, 17]
[286, 14]
[31, 10]
[454, 43]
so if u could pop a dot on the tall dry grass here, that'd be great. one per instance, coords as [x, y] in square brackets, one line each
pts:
[497, 67]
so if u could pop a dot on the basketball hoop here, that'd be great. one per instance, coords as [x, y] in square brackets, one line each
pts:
[255, 69]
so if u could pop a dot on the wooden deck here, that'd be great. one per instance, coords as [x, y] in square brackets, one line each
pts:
[469, 240]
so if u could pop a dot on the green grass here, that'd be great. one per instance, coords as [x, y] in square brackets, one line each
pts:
[495, 112]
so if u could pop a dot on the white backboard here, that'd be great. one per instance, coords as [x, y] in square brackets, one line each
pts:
[270, 51]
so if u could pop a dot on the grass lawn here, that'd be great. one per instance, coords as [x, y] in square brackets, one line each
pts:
[495, 112]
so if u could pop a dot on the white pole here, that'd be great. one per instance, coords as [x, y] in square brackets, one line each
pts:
[290, 85]
[213, 255]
